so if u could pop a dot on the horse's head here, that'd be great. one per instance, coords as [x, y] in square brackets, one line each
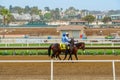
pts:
[80, 45]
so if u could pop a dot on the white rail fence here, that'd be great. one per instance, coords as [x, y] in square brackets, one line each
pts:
[38, 40]
[54, 61]
[91, 42]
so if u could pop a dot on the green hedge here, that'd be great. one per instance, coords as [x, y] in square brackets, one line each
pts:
[45, 52]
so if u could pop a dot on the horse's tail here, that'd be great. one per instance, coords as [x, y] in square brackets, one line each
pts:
[49, 50]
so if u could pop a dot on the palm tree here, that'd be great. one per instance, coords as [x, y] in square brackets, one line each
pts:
[6, 14]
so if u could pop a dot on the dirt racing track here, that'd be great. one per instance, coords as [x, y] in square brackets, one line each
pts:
[61, 71]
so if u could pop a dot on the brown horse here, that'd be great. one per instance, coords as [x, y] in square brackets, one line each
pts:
[56, 49]
[72, 50]
[80, 45]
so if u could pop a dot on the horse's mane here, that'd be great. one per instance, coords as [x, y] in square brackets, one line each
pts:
[79, 44]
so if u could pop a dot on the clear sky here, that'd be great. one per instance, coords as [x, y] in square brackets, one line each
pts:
[78, 4]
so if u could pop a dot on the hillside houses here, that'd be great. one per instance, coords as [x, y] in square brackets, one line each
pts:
[58, 16]
[26, 17]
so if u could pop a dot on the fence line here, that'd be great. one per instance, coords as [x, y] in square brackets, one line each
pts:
[36, 48]
[53, 61]
[40, 41]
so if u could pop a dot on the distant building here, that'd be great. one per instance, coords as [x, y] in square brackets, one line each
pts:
[58, 23]
[84, 13]
[99, 16]
[78, 22]
[35, 17]
[116, 22]
[26, 17]
[22, 16]
[62, 14]
[115, 17]
[73, 30]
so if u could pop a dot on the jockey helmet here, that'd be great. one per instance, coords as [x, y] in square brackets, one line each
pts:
[63, 34]
[67, 33]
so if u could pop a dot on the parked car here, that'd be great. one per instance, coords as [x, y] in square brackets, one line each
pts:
[109, 37]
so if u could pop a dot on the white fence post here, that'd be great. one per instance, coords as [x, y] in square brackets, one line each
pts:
[113, 51]
[51, 69]
[113, 66]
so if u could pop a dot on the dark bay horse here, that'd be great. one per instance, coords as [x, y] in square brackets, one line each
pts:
[56, 49]
[76, 47]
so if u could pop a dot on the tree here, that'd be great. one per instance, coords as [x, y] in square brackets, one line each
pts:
[10, 18]
[34, 10]
[10, 8]
[55, 14]
[106, 19]
[89, 18]
[71, 12]
[27, 9]
[47, 8]
[47, 16]
[6, 15]
[17, 9]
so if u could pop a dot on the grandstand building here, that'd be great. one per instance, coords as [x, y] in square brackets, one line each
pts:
[73, 30]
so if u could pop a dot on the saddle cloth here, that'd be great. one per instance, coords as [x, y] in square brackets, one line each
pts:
[62, 46]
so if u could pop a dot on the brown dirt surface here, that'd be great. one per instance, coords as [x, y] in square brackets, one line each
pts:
[61, 71]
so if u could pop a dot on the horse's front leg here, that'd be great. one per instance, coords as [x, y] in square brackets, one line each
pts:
[70, 57]
[76, 56]
[53, 55]
[65, 56]
[66, 53]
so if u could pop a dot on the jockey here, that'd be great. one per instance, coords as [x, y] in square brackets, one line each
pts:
[65, 38]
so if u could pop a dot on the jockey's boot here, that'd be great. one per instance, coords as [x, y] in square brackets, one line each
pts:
[67, 49]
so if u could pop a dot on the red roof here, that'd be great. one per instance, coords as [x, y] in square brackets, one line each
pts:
[115, 20]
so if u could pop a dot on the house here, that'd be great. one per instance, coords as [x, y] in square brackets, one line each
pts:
[115, 17]
[21, 16]
[99, 16]
[73, 30]
[78, 22]
[35, 17]
[58, 23]
[116, 22]
[84, 13]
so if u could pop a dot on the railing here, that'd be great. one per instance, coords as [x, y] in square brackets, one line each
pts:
[54, 61]
[37, 40]
[40, 42]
